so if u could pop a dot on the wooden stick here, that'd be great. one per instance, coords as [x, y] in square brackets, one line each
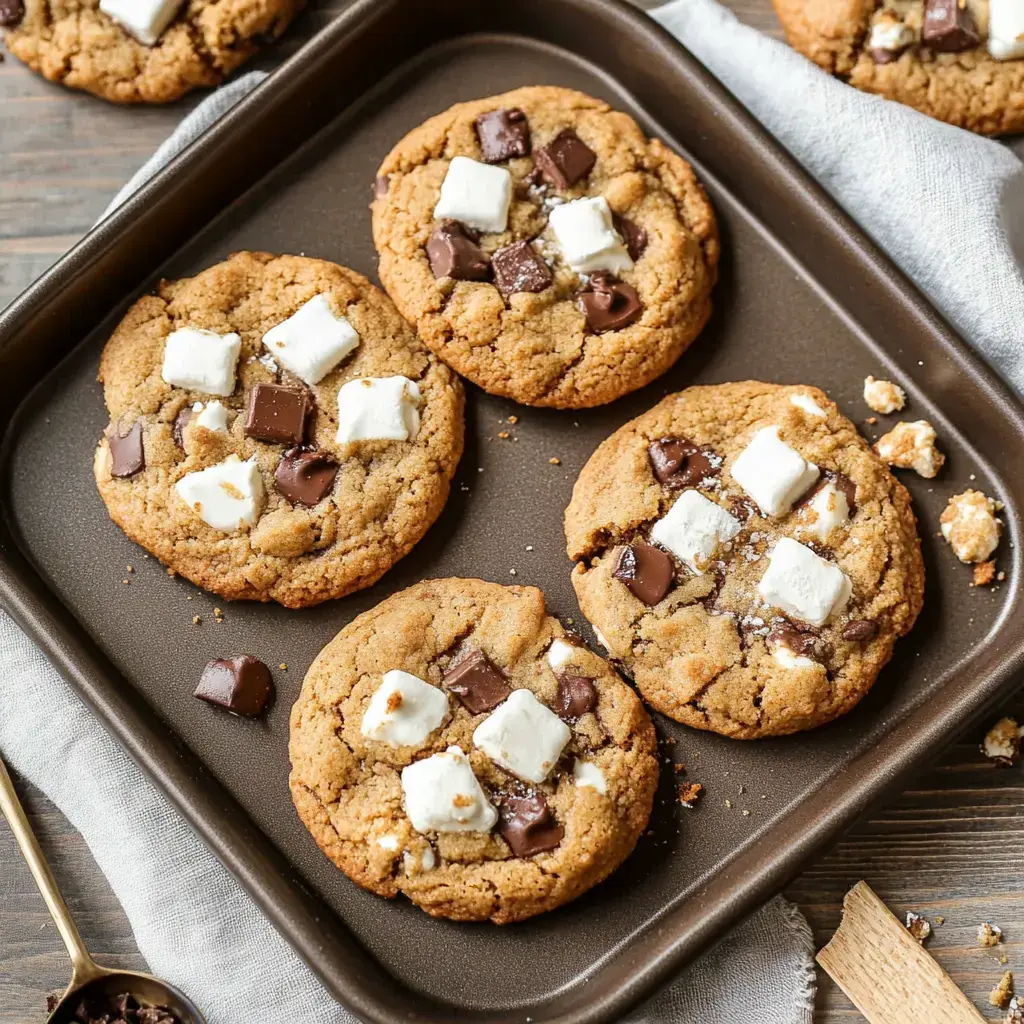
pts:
[886, 972]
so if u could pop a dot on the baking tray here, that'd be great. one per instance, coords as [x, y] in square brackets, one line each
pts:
[803, 297]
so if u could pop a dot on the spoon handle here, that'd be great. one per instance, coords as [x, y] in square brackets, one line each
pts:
[82, 964]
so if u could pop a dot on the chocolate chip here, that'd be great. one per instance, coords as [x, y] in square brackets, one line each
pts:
[576, 696]
[452, 252]
[948, 26]
[123, 1002]
[646, 570]
[880, 56]
[181, 421]
[520, 268]
[843, 483]
[476, 681]
[11, 13]
[609, 305]
[860, 630]
[528, 826]
[633, 235]
[503, 134]
[305, 475]
[804, 643]
[241, 685]
[51, 1003]
[127, 455]
[678, 462]
[380, 186]
[565, 159]
[277, 413]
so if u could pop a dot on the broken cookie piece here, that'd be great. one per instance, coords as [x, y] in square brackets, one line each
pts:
[918, 926]
[989, 934]
[883, 396]
[912, 446]
[1003, 741]
[970, 526]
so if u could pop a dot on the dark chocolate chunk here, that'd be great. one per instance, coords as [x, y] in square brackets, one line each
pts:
[11, 13]
[123, 1002]
[51, 1003]
[565, 159]
[380, 186]
[181, 421]
[646, 570]
[476, 681]
[609, 305]
[576, 696]
[633, 235]
[948, 26]
[860, 630]
[452, 252]
[277, 413]
[843, 483]
[677, 462]
[528, 826]
[127, 455]
[804, 643]
[241, 685]
[520, 268]
[503, 134]
[305, 475]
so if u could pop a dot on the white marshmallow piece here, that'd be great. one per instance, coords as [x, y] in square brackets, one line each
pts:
[1006, 29]
[378, 409]
[830, 508]
[146, 20]
[802, 584]
[312, 341]
[891, 35]
[227, 496]
[772, 473]
[586, 234]
[523, 736]
[694, 528]
[212, 416]
[808, 405]
[783, 656]
[443, 795]
[587, 774]
[388, 842]
[475, 194]
[562, 653]
[404, 710]
[201, 360]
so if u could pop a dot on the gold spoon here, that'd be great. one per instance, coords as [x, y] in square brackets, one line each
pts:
[88, 979]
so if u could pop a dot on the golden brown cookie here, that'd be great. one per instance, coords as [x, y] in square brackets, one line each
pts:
[456, 745]
[960, 63]
[747, 556]
[134, 59]
[544, 247]
[277, 431]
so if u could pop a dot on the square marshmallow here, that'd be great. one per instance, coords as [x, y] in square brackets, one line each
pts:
[830, 508]
[802, 584]
[146, 20]
[312, 341]
[1006, 29]
[585, 233]
[693, 528]
[443, 795]
[772, 473]
[227, 496]
[523, 736]
[212, 416]
[404, 710]
[201, 360]
[475, 194]
[378, 409]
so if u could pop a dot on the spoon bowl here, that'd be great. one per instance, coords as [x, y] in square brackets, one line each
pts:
[107, 985]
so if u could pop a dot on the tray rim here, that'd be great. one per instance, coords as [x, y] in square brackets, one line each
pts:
[746, 880]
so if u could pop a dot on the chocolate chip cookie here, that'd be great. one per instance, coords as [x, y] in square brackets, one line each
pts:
[544, 247]
[747, 556]
[141, 51]
[277, 432]
[456, 745]
[960, 62]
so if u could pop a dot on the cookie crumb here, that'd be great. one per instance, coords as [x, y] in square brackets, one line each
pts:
[1002, 742]
[918, 926]
[984, 574]
[555, 460]
[283, 667]
[872, 420]
[883, 396]
[504, 435]
[171, 572]
[529, 547]
[130, 568]
[196, 620]
[728, 803]
[939, 919]
[1001, 994]
[690, 793]
[989, 934]
[911, 446]
[513, 420]
[1015, 1012]
[970, 526]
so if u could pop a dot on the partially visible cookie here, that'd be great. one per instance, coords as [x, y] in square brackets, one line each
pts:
[456, 745]
[747, 556]
[277, 432]
[141, 51]
[544, 247]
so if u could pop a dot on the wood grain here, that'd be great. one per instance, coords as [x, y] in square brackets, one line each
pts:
[950, 846]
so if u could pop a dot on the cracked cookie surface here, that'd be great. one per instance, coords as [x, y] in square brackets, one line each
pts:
[76, 44]
[384, 495]
[348, 789]
[712, 652]
[535, 346]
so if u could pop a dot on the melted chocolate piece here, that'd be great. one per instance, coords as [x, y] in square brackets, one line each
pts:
[127, 455]
[880, 56]
[633, 235]
[520, 268]
[609, 305]
[743, 508]
[528, 826]
[677, 462]
[476, 681]
[503, 134]
[305, 475]
[11, 13]
[843, 483]
[804, 644]
[241, 685]
[380, 186]
[576, 696]
[181, 421]
[452, 252]
[646, 570]
[565, 159]
[948, 26]
[278, 414]
[860, 630]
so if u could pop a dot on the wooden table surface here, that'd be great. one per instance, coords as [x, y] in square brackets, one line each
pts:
[950, 846]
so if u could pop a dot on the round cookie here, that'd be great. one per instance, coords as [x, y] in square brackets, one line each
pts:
[946, 60]
[747, 556]
[246, 488]
[396, 776]
[502, 304]
[75, 43]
